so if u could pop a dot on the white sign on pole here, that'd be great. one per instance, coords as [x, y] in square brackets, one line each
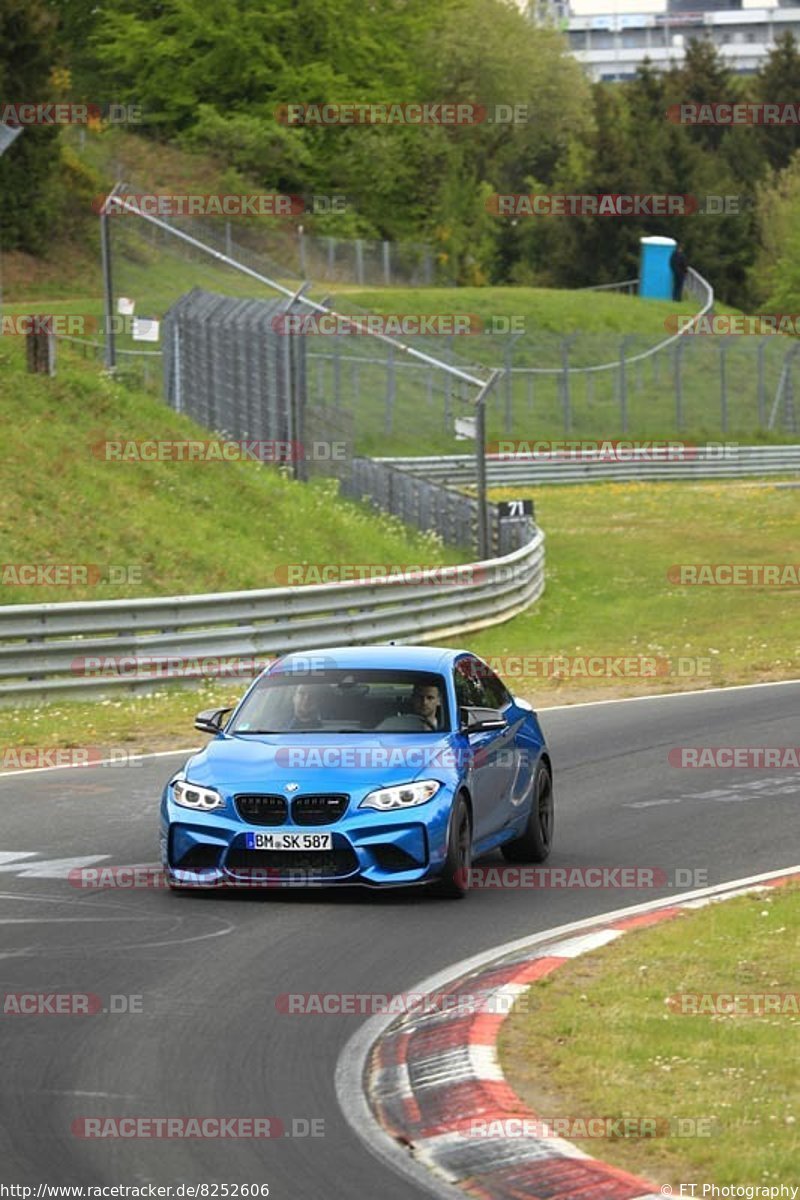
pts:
[145, 329]
[465, 428]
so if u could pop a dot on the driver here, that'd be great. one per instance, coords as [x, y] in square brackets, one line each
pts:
[426, 702]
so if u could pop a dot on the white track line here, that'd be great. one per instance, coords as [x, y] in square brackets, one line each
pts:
[101, 762]
[714, 691]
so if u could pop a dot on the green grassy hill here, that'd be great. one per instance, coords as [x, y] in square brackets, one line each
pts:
[183, 527]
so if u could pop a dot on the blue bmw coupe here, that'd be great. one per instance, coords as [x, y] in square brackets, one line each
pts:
[379, 765]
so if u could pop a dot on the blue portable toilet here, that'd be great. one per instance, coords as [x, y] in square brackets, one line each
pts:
[655, 273]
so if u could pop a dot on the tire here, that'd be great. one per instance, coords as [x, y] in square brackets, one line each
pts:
[534, 844]
[454, 881]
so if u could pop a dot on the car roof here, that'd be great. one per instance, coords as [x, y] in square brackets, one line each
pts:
[401, 658]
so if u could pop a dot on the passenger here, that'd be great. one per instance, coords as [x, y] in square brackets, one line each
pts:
[305, 703]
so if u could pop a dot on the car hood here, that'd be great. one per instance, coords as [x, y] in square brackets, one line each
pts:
[322, 762]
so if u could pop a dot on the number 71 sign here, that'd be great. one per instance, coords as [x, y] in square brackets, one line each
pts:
[515, 508]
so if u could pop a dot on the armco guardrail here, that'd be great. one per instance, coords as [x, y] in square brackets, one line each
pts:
[590, 466]
[85, 650]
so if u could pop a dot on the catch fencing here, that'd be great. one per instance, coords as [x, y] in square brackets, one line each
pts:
[585, 383]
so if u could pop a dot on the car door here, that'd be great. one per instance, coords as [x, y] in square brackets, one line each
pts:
[494, 753]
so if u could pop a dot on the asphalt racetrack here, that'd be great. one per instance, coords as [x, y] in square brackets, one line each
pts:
[206, 971]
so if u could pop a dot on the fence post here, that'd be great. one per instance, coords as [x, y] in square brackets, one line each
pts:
[508, 381]
[387, 263]
[301, 247]
[228, 247]
[723, 385]
[678, 384]
[480, 464]
[391, 384]
[789, 422]
[331, 256]
[761, 398]
[448, 393]
[356, 383]
[359, 261]
[40, 347]
[565, 397]
[108, 290]
[623, 387]
[337, 374]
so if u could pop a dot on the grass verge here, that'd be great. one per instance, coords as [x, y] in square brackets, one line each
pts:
[600, 1037]
[609, 547]
[167, 528]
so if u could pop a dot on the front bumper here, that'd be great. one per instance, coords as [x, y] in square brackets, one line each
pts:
[369, 848]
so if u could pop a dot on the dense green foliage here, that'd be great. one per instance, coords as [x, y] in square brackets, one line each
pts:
[213, 75]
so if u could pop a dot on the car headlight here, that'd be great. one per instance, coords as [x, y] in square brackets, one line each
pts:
[191, 795]
[405, 795]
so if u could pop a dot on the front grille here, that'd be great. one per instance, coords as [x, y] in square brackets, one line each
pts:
[318, 810]
[262, 810]
[318, 863]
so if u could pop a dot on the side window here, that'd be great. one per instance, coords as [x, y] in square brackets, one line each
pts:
[498, 695]
[478, 686]
[467, 683]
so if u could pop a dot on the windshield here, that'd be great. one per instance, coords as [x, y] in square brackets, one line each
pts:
[339, 701]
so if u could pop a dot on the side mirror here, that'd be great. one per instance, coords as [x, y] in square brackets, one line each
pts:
[211, 720]
[481, 720]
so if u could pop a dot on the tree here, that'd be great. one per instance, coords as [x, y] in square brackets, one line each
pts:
[29, 169]
[778, 82]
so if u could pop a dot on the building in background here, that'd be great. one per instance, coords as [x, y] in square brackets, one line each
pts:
[611, 45]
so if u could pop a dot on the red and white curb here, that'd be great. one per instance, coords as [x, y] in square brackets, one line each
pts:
[426, 1076]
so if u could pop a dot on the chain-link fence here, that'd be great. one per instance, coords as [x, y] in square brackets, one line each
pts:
[427, 504]
[359, 380]
[414, 393]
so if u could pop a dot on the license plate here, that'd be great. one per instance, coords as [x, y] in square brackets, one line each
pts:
[289, 841]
